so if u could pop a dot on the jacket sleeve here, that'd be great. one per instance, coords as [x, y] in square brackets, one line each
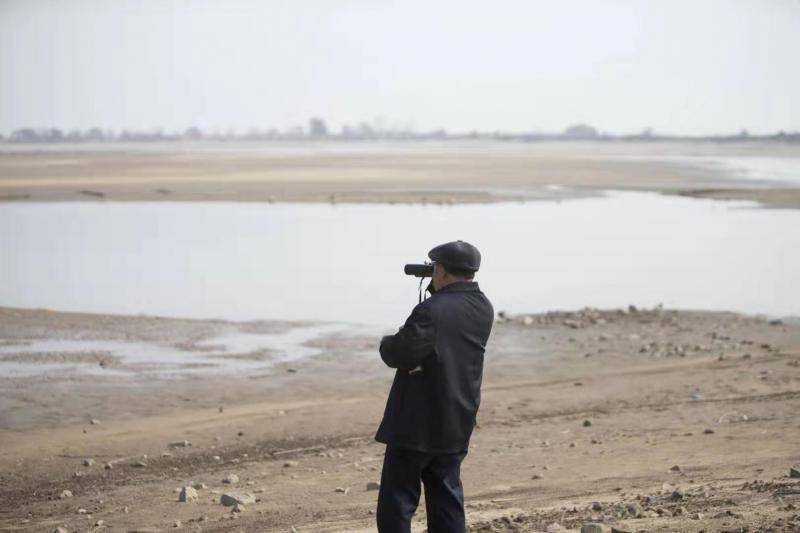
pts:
[415, 341]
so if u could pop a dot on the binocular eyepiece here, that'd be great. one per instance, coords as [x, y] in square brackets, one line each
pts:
[419, 271]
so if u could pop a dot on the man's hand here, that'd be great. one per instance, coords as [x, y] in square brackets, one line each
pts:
[414, 342]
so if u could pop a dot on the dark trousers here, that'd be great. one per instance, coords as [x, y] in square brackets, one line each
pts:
[400, 489]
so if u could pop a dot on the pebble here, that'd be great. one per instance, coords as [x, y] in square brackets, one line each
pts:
[794, 471]
[634, 509]
[587, 423]
[343, 490]
[188, 494]
[100, 523]
[180, 444]
[60, 530]
[177, 523]
[290, 464]
[676, 468]
[88, 462]
[108, 466]
[199, 486]
[65, 494]
[231, 479]
[95, 422]
[708, 431]
[537, 476]
[594, 527]
[373, 485]
[229, 499]
[238, 508]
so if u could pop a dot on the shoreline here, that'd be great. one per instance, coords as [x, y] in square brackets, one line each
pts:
[416, 173]
[714, 393]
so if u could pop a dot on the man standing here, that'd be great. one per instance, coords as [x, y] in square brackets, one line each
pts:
[430, 413]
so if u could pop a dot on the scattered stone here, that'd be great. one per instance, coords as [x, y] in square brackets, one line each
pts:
[373, 485]
[597, 506]
[188, 494]
[572, 324]
[198, 486]
[60, 530]
[65, 494]
[676, 468]
[177, 523]
[537, 476]
[794, 471]
[108, 466]
[94, 422]
[100, 523]
[180, 444]
[621, 529]
[528, 320]
[708, 431]
[231, 479]
[140, 464]
[593, 527]
[81, 510]
[634, 509]
[290, 464]
[88, 462]
[343, 490]
[677, 494]
[238, 508]
[587, 423]
[229, 499]
[216, 457]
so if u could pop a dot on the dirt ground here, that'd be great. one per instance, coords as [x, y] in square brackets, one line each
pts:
[644, 420]
[450, 172]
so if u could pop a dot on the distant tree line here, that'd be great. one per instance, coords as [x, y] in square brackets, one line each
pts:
[318, 129]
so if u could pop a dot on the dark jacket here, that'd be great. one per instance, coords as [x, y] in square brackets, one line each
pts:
[433, 409]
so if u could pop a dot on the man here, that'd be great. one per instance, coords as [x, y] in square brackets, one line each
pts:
[430, 413]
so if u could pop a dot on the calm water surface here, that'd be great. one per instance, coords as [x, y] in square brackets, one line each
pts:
[343, 263]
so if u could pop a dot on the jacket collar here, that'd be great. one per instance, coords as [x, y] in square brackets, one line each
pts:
[460, 286]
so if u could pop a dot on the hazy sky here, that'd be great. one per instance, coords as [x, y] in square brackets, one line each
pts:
[677, 66]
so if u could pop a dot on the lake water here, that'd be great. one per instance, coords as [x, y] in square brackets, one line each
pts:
[343, 263]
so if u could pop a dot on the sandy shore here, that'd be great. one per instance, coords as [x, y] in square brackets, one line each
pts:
[362, 172]
[647, 420]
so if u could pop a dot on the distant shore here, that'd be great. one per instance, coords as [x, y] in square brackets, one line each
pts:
[406, 172]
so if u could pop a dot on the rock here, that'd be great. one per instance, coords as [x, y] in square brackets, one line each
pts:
[537, 476]
[100, 523]
[231, 479]
[528, 320]
[708, 431]
[108, 466]
[180, 444]
[634, 509]
[198, 486]
[373, 485]
[94, 422]
[60, 530]
[88, 462]
[81, 510]
[343, 490]
[177, 523]
[229, 499]
[140, 464]
[597, 506]
[794, 471]
[65, 494]
[697, 516]
[572, 324]
[676, 468]
[587, 423]
[555, 527]
[290, 464]
[594, 527]
[677, 494]
[238, 508]
[621, 529]
[188, 494]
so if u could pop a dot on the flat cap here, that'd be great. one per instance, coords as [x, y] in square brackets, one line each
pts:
[457, 254]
